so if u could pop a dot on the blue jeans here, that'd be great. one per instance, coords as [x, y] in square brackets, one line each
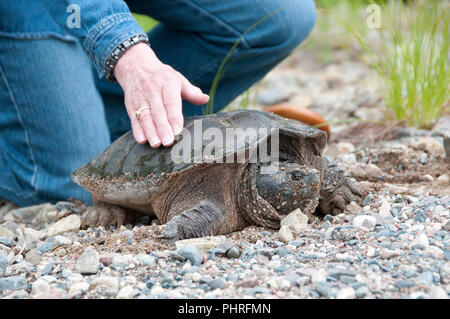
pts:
[56, 114]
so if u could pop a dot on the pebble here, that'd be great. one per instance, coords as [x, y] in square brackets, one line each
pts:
[295, 220]
[63, 205]
[6, 241]
[346, 293]
[192, 254]
[12, 283]
[217, 283]
[39, 287]
[203, 244]
[157, 290]
[88, 262]
[233, 253]
[70, 223]
[285, 234]
[78, 288]
[387, 253]
[319, 276]
[365, 221]
[437, 292]
[421, 240]
[126, 292]
[6, 233]
[385, 209]
[108, 282]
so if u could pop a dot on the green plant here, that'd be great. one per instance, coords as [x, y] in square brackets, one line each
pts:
[330, 31]
[410, 58]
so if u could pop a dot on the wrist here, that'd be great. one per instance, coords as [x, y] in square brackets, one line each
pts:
[137, 55]
[119, 51]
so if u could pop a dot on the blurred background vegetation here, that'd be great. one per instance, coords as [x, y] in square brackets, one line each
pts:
[408, 53]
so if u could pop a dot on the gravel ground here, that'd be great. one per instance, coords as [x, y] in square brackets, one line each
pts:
[395, 244]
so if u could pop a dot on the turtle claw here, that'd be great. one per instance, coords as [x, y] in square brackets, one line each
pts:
[337, 199]
[171, 230]
[103, 215]
[337, 191]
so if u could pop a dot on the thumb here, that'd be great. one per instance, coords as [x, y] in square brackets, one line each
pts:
[192, 93]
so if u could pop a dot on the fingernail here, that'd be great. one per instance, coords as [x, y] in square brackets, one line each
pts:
[167, 140]
[176, 129]
[154, 141]
[141, 138]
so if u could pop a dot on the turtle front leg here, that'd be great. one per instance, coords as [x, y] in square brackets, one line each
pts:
[205, 219]
[104, 214]
[336, 191]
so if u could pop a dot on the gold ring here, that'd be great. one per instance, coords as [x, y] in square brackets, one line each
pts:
[139, 112]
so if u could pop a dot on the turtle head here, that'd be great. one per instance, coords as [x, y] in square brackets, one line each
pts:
[289, 187]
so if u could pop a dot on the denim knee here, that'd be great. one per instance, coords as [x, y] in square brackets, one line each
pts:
[288, 25]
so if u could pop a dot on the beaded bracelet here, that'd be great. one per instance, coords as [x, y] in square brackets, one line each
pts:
[118, 51]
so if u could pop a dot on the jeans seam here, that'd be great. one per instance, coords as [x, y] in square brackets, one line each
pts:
[222, 22]
[27, 140]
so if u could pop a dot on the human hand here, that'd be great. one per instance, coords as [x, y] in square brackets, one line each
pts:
[146, 81]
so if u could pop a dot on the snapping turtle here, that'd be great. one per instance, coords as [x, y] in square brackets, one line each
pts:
[220, 189]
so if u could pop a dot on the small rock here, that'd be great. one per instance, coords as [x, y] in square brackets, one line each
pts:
[106, 258]
[420, 216]
[39, 287]
[78, 288]
[346, 293]
[385, 209]
[319, 276]
[204, 243]
[427, 178]
[285, 234]
[88, 263]
[126, 292]
[362, 291]
[247, 283]
[156, 290]
[443, 179]
[110, 283]
[12, 283]
[422, 240]
[437, 292]
[192, 254]
[63, 205]
[334, 150]
[30, 213]
[217, 283]
[70, 223]
[3, 263]
[5, 232]
[295, 220]
[324, 289]
[6, 241]
[365, 221]
[387, 253]
[233, 253]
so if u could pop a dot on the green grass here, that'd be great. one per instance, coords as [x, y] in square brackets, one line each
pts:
[145, 22]
[410, 58]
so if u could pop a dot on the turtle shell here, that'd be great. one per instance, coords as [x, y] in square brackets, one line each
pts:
[133, 175]
[127, 158]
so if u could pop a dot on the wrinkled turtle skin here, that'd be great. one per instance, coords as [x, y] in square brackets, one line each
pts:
[210, 195]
